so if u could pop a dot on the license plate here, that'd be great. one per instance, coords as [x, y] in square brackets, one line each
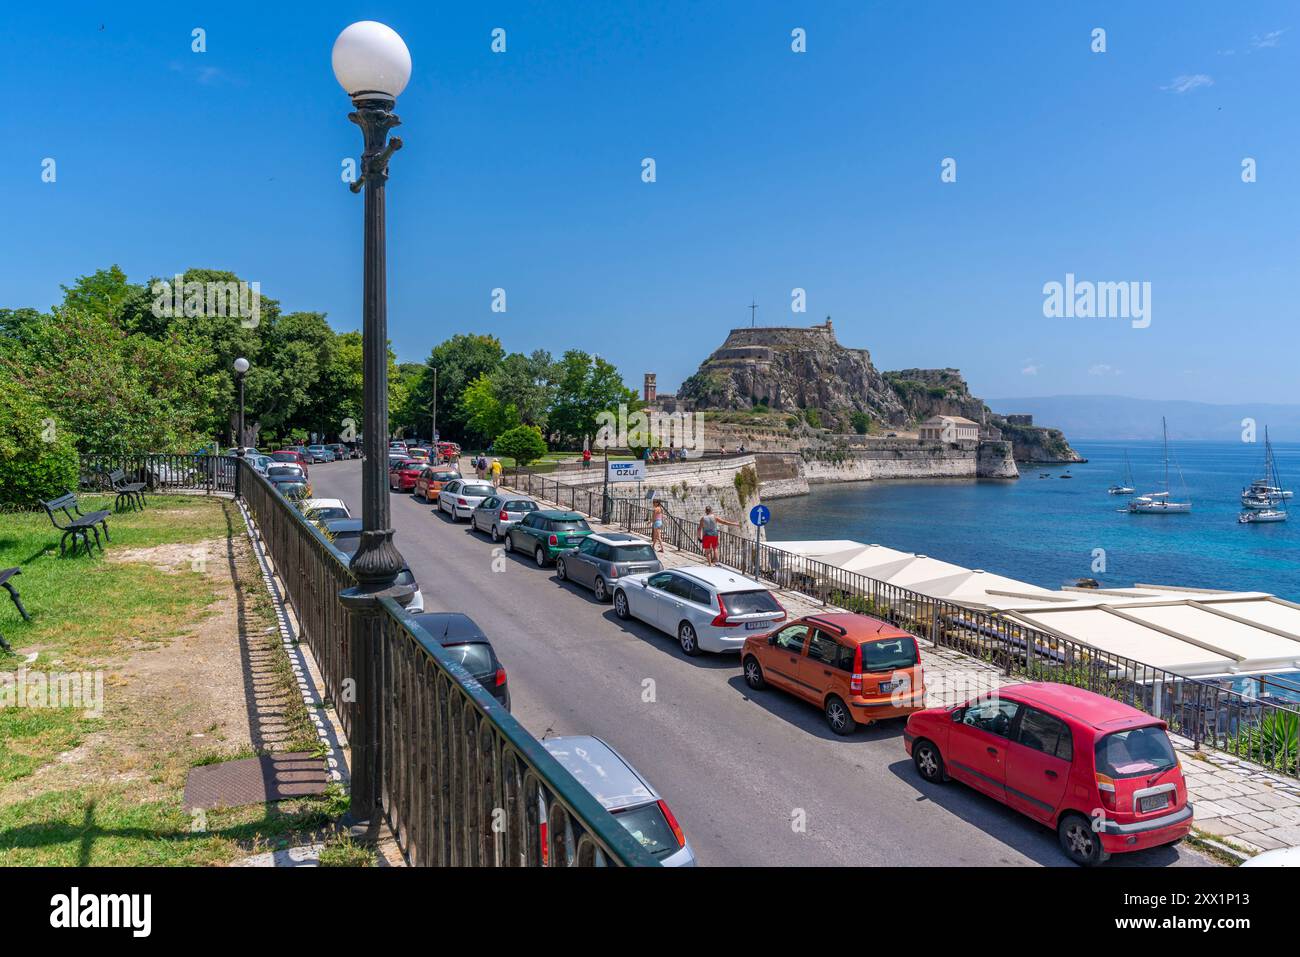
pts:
[1153, 802]
[889, 685]
[755, 625]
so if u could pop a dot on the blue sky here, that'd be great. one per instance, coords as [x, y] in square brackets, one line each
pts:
[775, 170]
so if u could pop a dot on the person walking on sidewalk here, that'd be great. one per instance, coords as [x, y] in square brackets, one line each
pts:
[657, 526]
[496, 472]
[707, 531]
[586, 458]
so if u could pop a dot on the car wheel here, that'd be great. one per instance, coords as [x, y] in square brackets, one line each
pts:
[1080, 842]
[838, 716]
[496, 534]
[928, 761]
[687, 638]
[560, 571]
[754, 673]
[620, 605]
[601, 589]
[539, 556]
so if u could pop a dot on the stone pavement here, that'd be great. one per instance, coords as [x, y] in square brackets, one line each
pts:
[1239, 805]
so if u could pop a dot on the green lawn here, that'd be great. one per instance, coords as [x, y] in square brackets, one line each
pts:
[156, 615]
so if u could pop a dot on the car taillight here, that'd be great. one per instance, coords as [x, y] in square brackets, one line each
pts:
[541, 828]
[1106, 786]
[613, 571]
[501, 677]
[855, 681]
[461, 501]
[504, 516]
[720, 620]
[672, 823]
[552, 540]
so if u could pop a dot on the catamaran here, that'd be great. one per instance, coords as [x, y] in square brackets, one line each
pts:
[1159, 503]
[1126, 487]
[1265, 499]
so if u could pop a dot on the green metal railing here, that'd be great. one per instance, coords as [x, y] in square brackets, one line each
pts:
[1263, 732]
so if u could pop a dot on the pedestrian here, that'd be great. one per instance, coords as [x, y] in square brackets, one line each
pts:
[707, 531]
[586, 458]
[496, 471]
[657, 526]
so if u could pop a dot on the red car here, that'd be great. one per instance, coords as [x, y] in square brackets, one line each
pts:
[1103, 774]
[291, 456]
[402, 474]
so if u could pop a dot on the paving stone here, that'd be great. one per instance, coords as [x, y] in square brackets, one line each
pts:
[1260, 840]
[1222, 827]
[1249, 822]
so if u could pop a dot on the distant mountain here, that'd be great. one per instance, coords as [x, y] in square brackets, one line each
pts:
[1085, 417]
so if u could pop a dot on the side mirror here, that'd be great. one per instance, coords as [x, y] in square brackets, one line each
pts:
[771, 639]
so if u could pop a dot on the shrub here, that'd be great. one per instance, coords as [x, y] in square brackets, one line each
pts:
[746, 482]
[813, 417]
[524, 444]
[38, 457]
[861, 422]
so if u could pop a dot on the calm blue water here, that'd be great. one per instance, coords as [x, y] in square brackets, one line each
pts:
[1044, 530]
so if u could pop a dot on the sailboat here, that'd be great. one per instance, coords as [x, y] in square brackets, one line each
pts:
[1264, 499]
[1265, 493]
[1159, 503]
[1125, 487]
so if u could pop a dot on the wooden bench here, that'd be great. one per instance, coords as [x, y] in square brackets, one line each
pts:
[5, 575]
[79, 526]
[130, 494]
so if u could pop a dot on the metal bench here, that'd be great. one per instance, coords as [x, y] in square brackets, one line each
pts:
[79, 526]
[130, 494]
[5, 575]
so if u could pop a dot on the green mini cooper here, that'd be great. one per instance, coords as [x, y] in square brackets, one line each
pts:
[546, 533]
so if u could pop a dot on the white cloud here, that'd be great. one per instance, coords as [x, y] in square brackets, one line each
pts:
[1102, 369]
[1185, 83]
[1031, 367]
[1270, 39]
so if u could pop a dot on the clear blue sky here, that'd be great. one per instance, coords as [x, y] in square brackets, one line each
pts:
[775, 170]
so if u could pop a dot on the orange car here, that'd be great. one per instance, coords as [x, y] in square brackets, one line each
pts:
[430, 482]
[857, 669]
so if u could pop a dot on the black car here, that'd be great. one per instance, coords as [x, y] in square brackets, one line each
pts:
[345, 533]
[288, 480]
[465, 641]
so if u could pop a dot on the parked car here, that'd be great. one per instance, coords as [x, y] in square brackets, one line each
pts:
[431, 480]
[291, 456]
[460, 636]
[321, 453]
[421, 455]
[546, 533]
[289, 480]
[305, 452]
[345, 533]
[340, 451]
[857, 669]
[260, 462]
[1100, 772]
[460, 497]
[325, 509]
[403, 472]
[496, 513]
[605, 557]
[612, 781]
[707, 607]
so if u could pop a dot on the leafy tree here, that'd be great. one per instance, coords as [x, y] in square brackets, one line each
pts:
[38, 457]
[861, 422]
[524, 444]
[459, 361]
[586, 386]
[527, 382]
[488, 415]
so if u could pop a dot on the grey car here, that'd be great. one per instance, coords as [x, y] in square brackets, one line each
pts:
[605, 557]
[496, 513]
[622, 791]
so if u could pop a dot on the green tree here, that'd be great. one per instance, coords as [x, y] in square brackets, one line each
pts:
[459, 361]
[524, 444]
[38, 456]
[488, 415]
[861, 422]
[586, 386]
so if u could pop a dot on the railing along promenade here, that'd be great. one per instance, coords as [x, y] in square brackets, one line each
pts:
[1263, 732]
[460, 781]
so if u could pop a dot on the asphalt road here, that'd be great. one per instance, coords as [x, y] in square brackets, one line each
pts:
[740, 769]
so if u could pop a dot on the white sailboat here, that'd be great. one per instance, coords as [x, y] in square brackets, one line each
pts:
[1125, 487]
[1159, 503]
[1265, 499]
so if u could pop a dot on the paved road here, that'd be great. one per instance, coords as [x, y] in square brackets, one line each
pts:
[738, 768]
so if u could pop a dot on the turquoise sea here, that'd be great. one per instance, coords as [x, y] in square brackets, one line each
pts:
[1044, 530]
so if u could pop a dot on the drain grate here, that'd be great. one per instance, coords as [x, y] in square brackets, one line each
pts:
[275, 777]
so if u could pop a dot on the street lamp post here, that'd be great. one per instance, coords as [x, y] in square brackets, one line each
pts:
[372, 65]
[241, 367]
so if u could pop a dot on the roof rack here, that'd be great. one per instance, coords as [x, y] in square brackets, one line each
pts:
[822, 622]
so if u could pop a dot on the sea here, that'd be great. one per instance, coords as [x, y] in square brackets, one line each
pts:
[1051, 530]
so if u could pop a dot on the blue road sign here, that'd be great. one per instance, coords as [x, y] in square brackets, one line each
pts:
[760, 515]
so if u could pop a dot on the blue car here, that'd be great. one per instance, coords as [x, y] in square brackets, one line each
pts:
[321, 454]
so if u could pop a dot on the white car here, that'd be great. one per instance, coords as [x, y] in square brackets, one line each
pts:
[460, 497]
[707, 608]
[321, 509]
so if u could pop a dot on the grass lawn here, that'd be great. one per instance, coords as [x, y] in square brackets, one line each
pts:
[171, 615]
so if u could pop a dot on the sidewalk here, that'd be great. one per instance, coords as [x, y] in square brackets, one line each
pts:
[1239, 804]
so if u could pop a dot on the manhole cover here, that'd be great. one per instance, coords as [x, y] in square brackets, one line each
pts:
[276, 777]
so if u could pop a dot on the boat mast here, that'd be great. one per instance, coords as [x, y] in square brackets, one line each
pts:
[1164, 429]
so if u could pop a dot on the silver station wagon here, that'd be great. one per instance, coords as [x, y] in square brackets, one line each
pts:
[605, 557]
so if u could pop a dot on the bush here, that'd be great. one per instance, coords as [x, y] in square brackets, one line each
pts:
[813, 417]
[38, 457]
[861, 422]
[524, 444]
